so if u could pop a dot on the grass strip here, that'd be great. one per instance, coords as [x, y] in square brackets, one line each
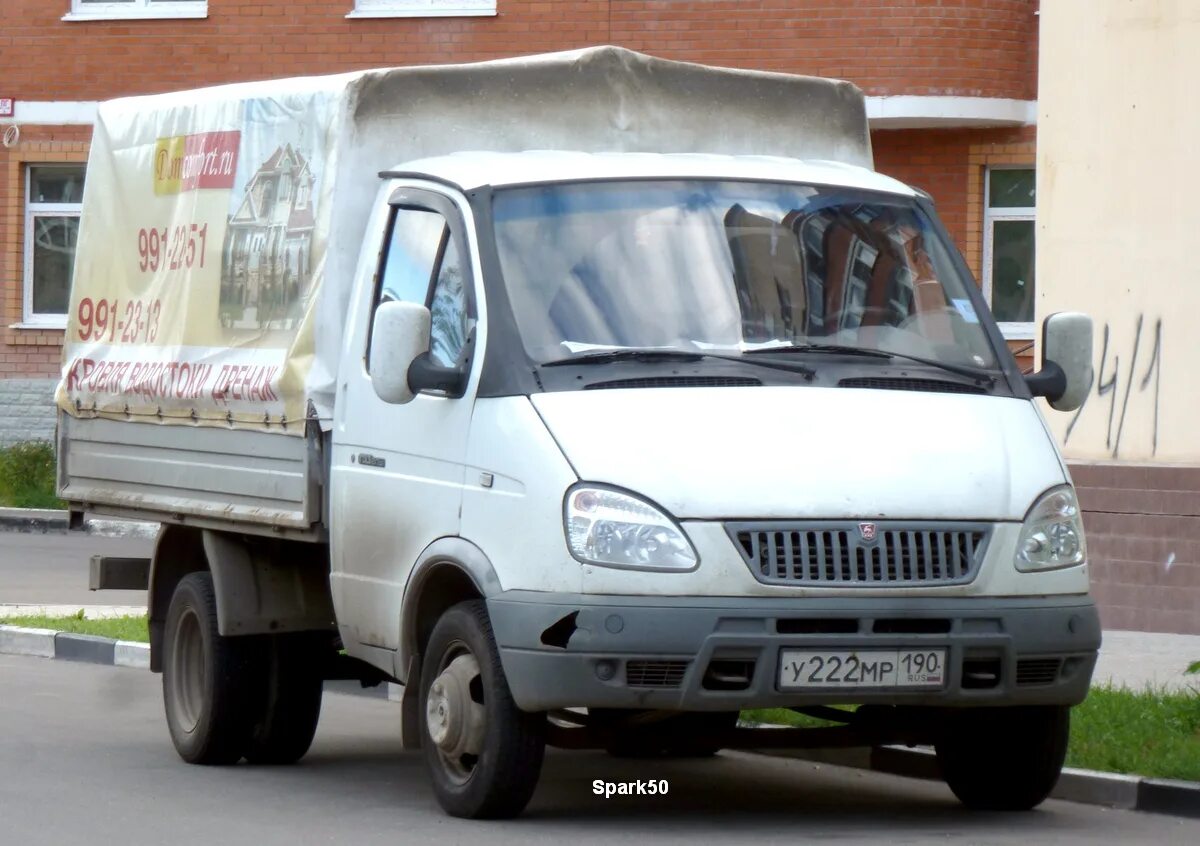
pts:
[27, 476]
[119, 628]
[1146, 732]
[1141, 732]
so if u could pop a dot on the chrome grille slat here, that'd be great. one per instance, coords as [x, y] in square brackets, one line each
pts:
[903, 554]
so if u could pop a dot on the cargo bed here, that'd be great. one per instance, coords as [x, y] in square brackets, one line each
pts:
[256, 482]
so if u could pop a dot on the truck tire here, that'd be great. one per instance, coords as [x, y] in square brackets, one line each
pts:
[290, 699]
[687, 735]
[484, 754]
[1004, 759]
[208, 680]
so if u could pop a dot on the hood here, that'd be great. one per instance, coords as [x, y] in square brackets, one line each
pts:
[809, 453]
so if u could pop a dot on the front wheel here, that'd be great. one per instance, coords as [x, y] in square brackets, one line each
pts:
[484, 754]
[1004, 759]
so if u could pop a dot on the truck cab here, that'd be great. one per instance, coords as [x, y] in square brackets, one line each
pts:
[592, 446]
[704, 433]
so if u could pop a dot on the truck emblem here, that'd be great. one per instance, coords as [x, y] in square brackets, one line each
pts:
[867, 530]
[371, 460]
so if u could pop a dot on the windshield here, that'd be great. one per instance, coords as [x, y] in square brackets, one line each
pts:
[730, 267]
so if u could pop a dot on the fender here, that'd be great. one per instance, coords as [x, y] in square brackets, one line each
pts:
[268, 586]
[462, 570]
[453, 552]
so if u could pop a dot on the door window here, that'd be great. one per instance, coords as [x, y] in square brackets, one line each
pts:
[424, 265]
[448, 334]
[412, 252]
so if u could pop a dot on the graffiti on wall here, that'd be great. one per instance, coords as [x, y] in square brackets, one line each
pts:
[1124, 386]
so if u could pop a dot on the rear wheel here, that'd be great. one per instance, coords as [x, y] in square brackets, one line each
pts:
[290, 698]
[1004, 759]
[484, 754]
[208, 680]
[689, 735]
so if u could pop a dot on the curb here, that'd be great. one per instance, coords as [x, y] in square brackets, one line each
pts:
[43, 521]
[47, 643]
[1087, 787]
[92, 649]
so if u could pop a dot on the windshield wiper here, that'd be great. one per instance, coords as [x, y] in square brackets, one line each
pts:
[655, 355]
[976, 373]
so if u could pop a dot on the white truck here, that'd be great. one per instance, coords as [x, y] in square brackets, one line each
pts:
[591, 397]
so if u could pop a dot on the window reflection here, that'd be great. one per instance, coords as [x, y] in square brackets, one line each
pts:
[702, 265]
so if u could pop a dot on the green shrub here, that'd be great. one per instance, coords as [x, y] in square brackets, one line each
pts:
[27, 476]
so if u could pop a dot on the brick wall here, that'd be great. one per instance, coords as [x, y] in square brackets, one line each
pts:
[1143, 533]
[27, 352]
[940, 162]
[950, 165]
[965, 47]
[959, 47]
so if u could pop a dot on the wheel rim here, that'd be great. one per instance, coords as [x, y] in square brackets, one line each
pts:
[187, 682]
[455, 716]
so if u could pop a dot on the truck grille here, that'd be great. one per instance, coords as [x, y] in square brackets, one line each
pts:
[846, 554]
[655, 673]
[1037, 671]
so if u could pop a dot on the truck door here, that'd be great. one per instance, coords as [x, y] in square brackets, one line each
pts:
[397, 470]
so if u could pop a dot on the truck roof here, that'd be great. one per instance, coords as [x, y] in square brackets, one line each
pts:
[472, 170]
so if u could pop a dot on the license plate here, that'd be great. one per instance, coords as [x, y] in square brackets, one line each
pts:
[848, 669]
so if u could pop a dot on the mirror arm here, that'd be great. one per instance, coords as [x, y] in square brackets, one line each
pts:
[1049, 382]
[424, 375]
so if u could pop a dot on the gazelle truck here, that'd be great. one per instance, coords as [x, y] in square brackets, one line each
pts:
[593, 398]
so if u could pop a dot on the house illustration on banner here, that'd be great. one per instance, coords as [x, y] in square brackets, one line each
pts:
[266, 263]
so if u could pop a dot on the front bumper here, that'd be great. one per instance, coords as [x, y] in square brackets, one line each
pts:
[655, 653]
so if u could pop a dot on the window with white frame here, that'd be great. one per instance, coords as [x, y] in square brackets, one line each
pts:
[101, 10]
[422, 8]
[53, 194]
[1009, 238]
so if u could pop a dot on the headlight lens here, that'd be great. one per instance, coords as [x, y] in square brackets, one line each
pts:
[615, 529]
[1052, 535]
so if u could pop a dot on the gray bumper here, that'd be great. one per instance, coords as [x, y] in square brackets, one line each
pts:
[653, 652]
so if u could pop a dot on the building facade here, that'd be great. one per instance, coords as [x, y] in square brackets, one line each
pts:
[1118, 225]
[952, 89]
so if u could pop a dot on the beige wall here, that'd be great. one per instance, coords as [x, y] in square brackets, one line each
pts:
[1119, 217]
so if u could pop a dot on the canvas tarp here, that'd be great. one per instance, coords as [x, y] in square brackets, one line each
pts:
[221, 227]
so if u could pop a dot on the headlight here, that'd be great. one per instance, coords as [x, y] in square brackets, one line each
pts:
[1052, 535]
[616, 529]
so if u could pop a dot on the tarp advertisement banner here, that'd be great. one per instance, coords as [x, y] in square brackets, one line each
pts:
[200, 259]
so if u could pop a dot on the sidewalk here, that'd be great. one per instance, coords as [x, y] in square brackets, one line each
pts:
[1138, 659]
[90, 612]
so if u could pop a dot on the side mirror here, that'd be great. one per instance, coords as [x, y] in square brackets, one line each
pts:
[1066, 374]
[399, 335]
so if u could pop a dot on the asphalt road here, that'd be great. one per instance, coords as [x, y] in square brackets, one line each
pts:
[85, 757]
[52, 569]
